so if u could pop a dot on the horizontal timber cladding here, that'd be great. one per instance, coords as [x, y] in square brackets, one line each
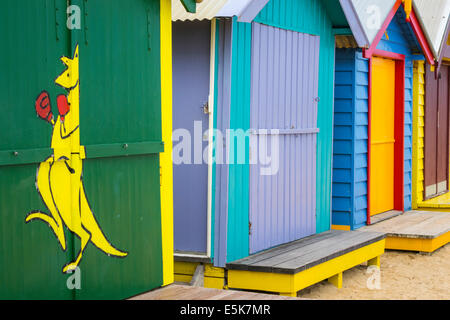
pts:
[88, 165]
[418, 132]
[302, 16]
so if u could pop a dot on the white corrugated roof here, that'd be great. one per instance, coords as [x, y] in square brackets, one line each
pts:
[209, 9]
[433, 16]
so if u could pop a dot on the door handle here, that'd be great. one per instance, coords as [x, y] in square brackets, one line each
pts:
[205, 108]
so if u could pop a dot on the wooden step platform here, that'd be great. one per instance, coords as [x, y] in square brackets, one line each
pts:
[292, 267]
[423, 231]
[183, 292]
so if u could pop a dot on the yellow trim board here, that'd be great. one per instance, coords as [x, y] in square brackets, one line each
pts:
[339, 227]
[214, 277]
[417, 244]
[166, 156]
[182, 267]
[289, 284]
[434, 208]
[442, 201]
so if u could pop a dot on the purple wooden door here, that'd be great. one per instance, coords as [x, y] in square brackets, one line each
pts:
[284, 97]
[191, 57]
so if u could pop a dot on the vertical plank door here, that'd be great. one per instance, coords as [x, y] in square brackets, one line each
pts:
[284, 96]
[382, 136]
[436, 155]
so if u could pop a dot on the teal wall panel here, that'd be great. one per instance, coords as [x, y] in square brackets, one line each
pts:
[238, 188]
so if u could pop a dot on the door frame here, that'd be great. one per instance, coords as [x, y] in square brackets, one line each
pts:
[211, 109]
[399, 125]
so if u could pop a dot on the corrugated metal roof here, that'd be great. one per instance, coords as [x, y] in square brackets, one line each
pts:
[207, 9]
[433, 16]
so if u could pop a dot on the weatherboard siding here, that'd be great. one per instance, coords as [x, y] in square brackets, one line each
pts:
[343, 144]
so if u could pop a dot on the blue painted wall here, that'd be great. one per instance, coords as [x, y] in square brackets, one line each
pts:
[343, 144]
[351, 124]
[350, 139]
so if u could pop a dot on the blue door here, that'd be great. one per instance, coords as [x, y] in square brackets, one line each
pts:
[191, 72]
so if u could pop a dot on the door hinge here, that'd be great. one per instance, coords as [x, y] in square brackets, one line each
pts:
[56, 20]
[149, 40]
[249, 228]
[85, 9]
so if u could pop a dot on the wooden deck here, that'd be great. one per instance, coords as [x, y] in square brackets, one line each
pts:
[423, 231]
[294, 266]
[183, 292]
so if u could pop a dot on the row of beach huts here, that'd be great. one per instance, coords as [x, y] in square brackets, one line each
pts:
[261, 145]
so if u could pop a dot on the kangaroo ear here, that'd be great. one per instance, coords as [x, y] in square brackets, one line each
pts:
[63, 105]
[43, 106]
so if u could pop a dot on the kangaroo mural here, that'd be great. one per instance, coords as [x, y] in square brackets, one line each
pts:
[59, 179]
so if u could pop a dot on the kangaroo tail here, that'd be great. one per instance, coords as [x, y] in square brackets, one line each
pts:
[90, 223]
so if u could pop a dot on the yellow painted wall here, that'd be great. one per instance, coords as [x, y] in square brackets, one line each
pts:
[166, 156]
[418, 132]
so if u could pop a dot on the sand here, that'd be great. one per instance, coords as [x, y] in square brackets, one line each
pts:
[404, 275]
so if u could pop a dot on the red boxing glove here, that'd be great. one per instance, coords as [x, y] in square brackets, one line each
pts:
[63, 106]
[43, 107]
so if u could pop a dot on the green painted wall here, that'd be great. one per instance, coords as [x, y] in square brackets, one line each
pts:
[120, 103]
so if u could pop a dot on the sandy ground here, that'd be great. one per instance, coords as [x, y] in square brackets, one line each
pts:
[404, 275]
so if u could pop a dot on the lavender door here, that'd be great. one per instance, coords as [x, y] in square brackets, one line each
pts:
[284, 97]
[191, 56]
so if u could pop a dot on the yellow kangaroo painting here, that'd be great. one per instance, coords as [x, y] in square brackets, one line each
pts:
[59, 179]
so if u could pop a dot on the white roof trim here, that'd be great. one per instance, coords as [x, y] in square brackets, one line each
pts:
[433, 17]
